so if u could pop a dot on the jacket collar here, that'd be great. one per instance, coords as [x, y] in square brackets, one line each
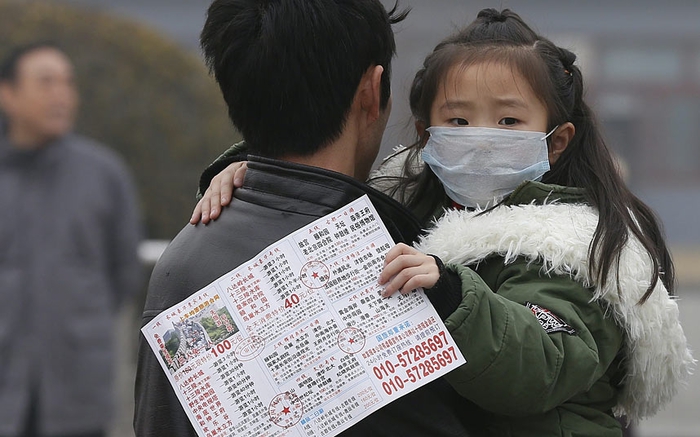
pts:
[540, 193]
[315, 191]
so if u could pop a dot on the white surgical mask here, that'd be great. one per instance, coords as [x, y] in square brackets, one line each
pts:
[479, 166]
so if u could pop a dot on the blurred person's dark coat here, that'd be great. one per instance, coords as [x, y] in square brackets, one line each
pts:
[69, 231]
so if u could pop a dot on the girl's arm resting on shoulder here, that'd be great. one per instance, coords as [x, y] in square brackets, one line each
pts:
[514, 365]
[221, 178]
[236, 153]
[219, 193]
[217, 183]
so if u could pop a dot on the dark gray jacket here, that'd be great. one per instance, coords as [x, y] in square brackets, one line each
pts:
[276, 199]
[69, 230]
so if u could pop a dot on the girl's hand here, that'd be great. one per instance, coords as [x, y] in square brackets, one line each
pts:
[406, 269]
[219, 193]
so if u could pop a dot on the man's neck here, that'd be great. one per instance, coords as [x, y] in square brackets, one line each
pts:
[324, 159]
[338, 156]
[24, 139]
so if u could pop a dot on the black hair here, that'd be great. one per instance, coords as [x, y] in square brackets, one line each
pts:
[585, 163]
[289, 69]
[8, 66]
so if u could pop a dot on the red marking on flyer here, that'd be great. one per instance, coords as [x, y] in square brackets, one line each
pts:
[250, 348]
[315, 274]
[351, 340]
[286, 410]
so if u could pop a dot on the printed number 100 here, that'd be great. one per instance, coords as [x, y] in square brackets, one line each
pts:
[221, 348]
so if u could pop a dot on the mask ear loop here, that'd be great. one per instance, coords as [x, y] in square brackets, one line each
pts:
[546, 138]
[550, 133]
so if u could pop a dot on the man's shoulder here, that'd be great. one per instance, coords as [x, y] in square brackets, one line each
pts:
[188, 264]
[201, 254]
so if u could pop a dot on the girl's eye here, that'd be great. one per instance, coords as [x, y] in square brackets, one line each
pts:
[459, 122]
[508, 121]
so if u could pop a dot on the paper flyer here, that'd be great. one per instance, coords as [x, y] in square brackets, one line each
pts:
[298, 341]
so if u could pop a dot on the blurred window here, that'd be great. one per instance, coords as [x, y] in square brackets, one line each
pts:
[649, 64]
[682, 134]
[619, 118]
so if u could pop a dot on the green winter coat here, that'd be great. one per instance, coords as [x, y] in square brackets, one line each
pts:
[549, 353]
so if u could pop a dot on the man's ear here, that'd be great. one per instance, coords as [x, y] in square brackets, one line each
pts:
[560, 140]
[370, 92]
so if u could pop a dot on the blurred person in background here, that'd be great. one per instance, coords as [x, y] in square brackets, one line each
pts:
[69, 232]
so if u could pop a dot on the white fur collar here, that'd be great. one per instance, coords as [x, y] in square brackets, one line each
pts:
[558, 235]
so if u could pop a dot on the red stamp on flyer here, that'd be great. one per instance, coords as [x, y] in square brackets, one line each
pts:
[314, 274]
[250, 348]
[351, 340]
[286, 410]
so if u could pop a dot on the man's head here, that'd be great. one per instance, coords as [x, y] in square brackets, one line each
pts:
[289, 70]
[37, 94]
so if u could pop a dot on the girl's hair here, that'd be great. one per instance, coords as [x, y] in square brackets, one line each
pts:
[502, 37]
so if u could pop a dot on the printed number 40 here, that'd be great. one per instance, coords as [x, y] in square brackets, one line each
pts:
[291, 301]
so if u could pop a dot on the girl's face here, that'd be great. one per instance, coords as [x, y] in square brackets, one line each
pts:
[487, 95]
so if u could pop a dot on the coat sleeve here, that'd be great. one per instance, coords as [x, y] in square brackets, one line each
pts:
[519, 363]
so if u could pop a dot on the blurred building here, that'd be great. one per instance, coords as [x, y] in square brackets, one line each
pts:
[641, 60]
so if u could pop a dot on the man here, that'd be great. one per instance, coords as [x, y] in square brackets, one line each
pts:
[307, 84]
[69, 230]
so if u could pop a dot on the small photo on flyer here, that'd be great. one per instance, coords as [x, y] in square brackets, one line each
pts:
[194, 335]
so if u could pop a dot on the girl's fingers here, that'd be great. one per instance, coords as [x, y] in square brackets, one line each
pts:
[202, 211]
[228, 180]
[197, 213]
[219, 193]
[411, 278]
[406, 269]
[395, 261]
[239, 175]
[212, 197]
[398, 250]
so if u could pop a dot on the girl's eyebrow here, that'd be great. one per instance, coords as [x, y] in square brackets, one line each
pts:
[456, 104]
[512, 102]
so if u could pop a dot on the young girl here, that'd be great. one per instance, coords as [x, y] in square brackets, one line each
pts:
[552, 277]
[577, 250]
